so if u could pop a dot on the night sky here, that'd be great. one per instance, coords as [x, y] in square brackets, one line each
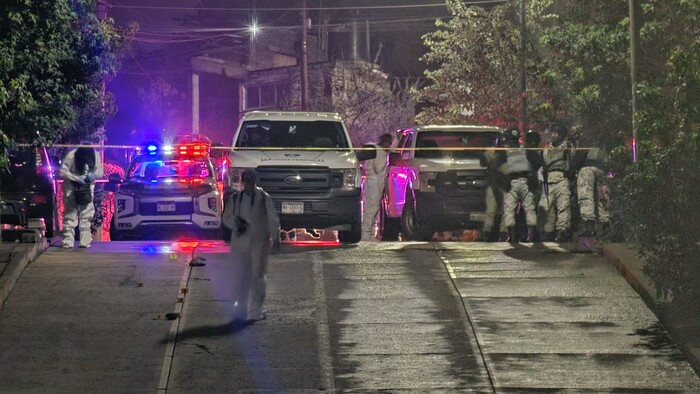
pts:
[172, 32]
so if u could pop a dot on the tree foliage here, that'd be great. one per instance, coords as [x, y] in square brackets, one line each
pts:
[54, 57]
[368, 101]
[475, 61]
[585, 53]
[659, 204]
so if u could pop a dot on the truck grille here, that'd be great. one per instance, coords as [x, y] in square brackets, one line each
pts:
[463, 181]
[291, 180]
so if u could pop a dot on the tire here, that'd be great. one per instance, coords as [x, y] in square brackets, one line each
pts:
[114, 235]
[412, 229]
[389, 228]
[352, 236]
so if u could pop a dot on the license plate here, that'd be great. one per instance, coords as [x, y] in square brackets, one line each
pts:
[293, 207]
[165, 207]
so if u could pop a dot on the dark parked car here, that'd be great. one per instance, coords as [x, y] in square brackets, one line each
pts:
[28, 191]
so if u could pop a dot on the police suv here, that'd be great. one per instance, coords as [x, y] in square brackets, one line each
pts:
[168, 189]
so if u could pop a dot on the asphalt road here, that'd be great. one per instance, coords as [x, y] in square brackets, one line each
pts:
[411, 317]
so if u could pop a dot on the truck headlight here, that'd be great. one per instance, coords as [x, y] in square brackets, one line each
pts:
[345, 179]
[427, 181]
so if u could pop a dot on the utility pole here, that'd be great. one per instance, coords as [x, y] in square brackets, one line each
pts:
[523, 80]
[304, 61]
[634, 51]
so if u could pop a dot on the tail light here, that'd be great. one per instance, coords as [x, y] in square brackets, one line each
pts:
[39, 199]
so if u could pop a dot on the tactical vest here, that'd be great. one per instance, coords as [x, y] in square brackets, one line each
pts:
[555, 158]
[516, 161]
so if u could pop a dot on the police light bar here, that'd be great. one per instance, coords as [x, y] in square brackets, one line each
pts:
[193, 150]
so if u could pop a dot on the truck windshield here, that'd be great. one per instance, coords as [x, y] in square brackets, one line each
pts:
[292, 134]
[458, 145]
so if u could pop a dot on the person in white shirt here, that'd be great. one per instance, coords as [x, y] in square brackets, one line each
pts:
[375, 181]
[79, 170]
[255, 226]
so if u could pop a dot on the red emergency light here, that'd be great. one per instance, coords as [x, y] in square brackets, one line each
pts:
[193, 150]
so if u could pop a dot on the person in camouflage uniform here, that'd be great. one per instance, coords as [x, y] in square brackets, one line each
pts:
[497, 186]
[519, 167]
[592, 191]
[557, 199]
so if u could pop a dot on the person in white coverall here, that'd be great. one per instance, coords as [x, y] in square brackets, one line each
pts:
[79, 170]
[255, 226]
[375, 181]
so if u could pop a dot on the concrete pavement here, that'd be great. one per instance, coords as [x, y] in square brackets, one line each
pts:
[684, 327]
[14, 258]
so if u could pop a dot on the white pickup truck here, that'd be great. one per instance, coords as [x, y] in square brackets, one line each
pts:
[436, 181]
[306, 162]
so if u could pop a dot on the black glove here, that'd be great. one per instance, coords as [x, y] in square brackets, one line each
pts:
[241, 225]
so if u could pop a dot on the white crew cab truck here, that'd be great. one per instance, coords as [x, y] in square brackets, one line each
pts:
[306, 162]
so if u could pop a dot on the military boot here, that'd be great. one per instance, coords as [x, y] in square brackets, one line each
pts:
[588, 229]
[531, 234]
[562, 236]
[514, 237]
[547, 237]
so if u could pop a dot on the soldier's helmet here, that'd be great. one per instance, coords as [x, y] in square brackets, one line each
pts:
[532, 138]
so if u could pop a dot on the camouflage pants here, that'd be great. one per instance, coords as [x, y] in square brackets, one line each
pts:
[593, 203]
[519, 191]
[557, 204]
[494, 196]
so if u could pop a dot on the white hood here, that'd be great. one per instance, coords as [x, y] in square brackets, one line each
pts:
[326, 158]
[446, 164]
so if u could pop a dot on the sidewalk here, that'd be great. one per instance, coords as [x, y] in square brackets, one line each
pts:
[14, 258]
[684, 327]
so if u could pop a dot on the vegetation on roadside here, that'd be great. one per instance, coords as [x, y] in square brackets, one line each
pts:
[54, 58]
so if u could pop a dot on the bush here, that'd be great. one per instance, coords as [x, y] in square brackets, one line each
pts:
[658, 208]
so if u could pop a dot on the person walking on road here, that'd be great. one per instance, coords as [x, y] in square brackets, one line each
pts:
[375, 181]
[255, 226]
[79, 170]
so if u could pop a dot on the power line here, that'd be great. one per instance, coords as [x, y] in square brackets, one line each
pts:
[374, 7]
[264, 27]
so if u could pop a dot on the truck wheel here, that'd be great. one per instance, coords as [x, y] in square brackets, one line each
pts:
[114, 235]
[412, 229]
[352, 236]
[389, 227]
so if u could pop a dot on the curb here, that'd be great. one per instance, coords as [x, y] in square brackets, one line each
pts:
[16, 266]
[633, 274]
[628, 263]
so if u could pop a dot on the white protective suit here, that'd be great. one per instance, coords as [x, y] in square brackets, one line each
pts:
[71, 209]
[375, 181]
[250, 250]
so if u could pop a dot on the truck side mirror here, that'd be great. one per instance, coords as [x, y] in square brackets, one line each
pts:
[367, 152]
